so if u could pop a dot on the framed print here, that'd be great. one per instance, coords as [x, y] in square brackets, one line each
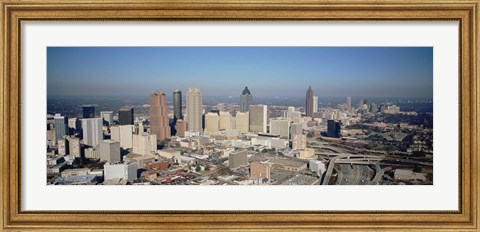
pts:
[252, 115]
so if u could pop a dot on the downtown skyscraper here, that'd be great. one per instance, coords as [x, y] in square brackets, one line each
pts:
[177, 104]
[126, 116]
[309, 102]
[349, 103]
[194, 110]
[245, 100]
[159, 116]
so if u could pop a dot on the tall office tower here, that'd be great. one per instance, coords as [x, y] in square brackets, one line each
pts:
[237, 159]
[181, 127]
[123, 134]
[245, 100]
[258, 118]
[362, 102]
[145, 144]
[294, 116]
[225, 120]
[159, 116]
[110, 151]
[126, 116]
[280, 127]
[333, 129]
[349, 103]
[92, 131]
[315, 104]
[242, 122]
[212, 122]
[309, 102]
[296, 129]
[177, 104]
[61, 126]
[74, 146]
[194, 110]
[107, 117]
[373, 108]
[88, 111]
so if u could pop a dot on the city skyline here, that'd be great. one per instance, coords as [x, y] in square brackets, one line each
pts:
[223, 71]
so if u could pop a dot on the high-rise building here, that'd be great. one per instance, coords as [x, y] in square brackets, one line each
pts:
[181, 127]
[92, 131]
[61, 126]
[242, 122]
[107, 117]
[333, 129]
[177, 105]
[212, 122]
[159, 116]
[109, 151]
[258, 118]
[123, 134]
[225, 120]
[74, 146]
[126, 116]
[362, 102]
[349, 103]
[373, 108]
[144, 144]
[315, 104]
[294, 116]
[296, 129]
[237, 159]
[245, 100]
[194, 110]
[280, 127]
[88, 111]
[309, 102]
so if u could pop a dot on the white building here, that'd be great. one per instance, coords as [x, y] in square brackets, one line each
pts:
[242, 122]
[144, 144]
[280, 127]
[120, 171]
[92, 131]
[123, 134]
[194, 110]
[315, 104]
[212, 123]
[258, 118]
[109, 151]
[225, 120]
[317, 166]
[169, 153]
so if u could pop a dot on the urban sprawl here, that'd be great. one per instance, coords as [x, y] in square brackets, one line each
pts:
[190, 143]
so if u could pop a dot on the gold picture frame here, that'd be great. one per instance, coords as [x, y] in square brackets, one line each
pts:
[14, 12]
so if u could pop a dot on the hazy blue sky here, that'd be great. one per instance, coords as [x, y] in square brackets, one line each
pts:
[219, 71]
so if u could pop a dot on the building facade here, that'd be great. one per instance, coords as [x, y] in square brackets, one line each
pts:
[237, 159]
[242, 122]
[309, 102]
[194, 110]
[126, 116]
[245, 100]
[109, 151]
[258, 118]
[177, 104]
[92, 131]
[159, 116]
